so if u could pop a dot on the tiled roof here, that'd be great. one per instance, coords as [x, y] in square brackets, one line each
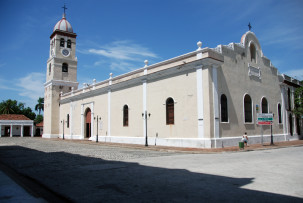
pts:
[39, 124]
[13, 117]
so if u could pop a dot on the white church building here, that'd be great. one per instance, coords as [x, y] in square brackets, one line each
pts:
[206, 98]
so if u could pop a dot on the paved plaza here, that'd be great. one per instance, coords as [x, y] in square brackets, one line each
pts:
[83, 171]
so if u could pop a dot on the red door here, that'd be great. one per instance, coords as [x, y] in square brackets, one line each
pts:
[88, 123]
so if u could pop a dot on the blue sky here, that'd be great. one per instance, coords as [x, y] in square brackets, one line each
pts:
[118, 35]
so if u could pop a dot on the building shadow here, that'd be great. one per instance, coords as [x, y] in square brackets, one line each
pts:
[87, 179]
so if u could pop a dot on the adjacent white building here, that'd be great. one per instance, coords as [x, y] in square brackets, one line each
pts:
[16, 125]
[206, 98]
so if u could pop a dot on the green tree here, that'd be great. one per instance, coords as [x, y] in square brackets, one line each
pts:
[298, 110]
[8, 107]
[40, 105]
[28, 113]
[13, 107]
[38, 119]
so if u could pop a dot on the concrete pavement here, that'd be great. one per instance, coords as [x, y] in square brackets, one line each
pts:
[83, 171]
[11, 192]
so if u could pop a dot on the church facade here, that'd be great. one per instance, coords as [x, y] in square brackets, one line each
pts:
[206, 98]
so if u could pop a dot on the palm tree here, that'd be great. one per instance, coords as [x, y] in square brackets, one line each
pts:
[7, 107]
[40, 105]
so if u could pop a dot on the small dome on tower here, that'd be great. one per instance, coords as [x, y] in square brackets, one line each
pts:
[63, 25]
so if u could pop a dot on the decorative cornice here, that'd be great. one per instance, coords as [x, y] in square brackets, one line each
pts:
[61, 83]
[17, 122]
[60, 32]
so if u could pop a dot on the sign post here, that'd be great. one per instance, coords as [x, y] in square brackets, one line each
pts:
[265, 119]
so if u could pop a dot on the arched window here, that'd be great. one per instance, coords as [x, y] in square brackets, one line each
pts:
[65, 67]
[279, 113]
[289, 99]
[264, 105]
[61, 42]
[49, 68]
[252, 52]
[224, 109]
[69, 43]
[170, 117]
[247, 109]
[125, 115]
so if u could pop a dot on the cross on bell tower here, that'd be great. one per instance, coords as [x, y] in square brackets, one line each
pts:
[64, 8]
[249, 26]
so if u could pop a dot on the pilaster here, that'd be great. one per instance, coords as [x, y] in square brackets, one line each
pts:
[144, 99]
[200, 98]
[32, 131]
[207, 101]
[215, 100]
[22, 130]
[11, 131]
[200, 101]
[82, 121]
[92, 118]
[71, 120]
[283, 110]
[109, 106]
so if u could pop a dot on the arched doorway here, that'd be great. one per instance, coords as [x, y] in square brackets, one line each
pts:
[290, 124]
[298, 125]
[88, 123]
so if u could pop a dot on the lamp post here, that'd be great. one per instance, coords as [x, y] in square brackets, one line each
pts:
[97, 126]
[144, 115]
[63, 129]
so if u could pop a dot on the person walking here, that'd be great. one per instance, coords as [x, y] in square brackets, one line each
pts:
[245, 139]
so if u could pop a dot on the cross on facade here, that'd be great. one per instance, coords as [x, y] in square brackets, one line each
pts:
[249, 26]
[64, 8]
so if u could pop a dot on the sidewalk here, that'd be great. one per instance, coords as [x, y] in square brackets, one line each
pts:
[251, 147]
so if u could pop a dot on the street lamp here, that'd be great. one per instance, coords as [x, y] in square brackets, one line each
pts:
[144, 116]
[98, 119]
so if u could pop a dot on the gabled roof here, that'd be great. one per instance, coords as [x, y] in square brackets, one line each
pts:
[13, 117]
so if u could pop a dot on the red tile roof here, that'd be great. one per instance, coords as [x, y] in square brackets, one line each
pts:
[13, 117]
[40, 124]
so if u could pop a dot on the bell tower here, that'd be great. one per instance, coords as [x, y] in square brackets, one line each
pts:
[61, 74]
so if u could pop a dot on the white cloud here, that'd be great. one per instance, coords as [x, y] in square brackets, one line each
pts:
[121, 55]
[26, 89]
[7, 85]
[121, 66]
[124, 50]
[31, 86]
[295, 73]
[281, 35]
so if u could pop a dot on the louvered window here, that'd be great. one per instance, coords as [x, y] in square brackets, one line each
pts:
[125, 115]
